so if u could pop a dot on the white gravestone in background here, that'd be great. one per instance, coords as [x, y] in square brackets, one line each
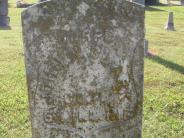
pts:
[84, 64]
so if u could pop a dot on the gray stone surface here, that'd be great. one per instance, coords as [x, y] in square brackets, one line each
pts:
[170, 22]
[4, 19]
[84, 64]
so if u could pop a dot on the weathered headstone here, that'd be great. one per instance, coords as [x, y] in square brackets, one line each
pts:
[84, 63]
[170, 22]
[4, 19]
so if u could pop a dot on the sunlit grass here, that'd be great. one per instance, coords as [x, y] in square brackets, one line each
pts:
[164, 74]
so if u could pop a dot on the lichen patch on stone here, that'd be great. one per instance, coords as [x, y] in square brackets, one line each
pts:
[83, 7]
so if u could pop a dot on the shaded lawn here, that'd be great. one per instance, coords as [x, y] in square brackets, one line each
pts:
[164, 78]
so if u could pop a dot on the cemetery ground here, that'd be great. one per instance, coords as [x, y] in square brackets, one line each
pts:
[163, 87]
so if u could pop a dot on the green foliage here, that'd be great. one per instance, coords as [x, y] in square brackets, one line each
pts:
[164, 78]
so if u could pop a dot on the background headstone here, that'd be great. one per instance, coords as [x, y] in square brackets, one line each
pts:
[139, 1]
[22, 4]
[84, 64]
[4, 19]
[182, 2]
[41, 0]
[170, 22]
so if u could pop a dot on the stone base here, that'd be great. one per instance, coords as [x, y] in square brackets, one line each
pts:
[170, 26]
[5, 28]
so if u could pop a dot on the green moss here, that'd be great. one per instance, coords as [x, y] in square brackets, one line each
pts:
[112, 115]
[119, 85]
[116, 72]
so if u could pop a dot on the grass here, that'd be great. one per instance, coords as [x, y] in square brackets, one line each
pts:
[14, 122]
[164, 77]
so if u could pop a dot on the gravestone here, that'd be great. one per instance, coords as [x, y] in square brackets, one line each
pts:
[4, 19]
[170, 22]
[84, 66]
